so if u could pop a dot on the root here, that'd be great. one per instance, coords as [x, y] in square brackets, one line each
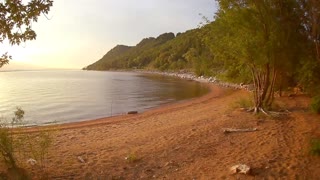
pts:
[250, 110]
[269, 113]
[264, 112]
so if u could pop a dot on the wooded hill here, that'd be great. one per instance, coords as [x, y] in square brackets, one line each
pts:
[271, 44]
[166, 52]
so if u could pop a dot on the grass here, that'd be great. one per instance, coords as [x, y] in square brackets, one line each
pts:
[315, 104]
[132, 158]
[243, 103]
[315, 147]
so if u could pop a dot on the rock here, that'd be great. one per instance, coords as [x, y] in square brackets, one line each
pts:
[132, 112]
[32, 162]
[240, 168]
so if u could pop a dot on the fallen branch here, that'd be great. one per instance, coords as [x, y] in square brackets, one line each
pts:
[229, 130]
[278, 114]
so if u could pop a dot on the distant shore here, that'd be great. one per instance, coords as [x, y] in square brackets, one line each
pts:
[193, 77]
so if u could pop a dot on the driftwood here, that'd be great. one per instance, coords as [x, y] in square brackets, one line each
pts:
[81, 159]
[229, 130]
[132, 112]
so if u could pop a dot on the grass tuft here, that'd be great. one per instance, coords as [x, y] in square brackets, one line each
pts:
[315, 147]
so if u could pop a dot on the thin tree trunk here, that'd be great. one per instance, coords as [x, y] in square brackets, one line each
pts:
[317, 50]
[266, 83]
[270, 96]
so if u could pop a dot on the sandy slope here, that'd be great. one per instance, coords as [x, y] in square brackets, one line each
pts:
[185, 141]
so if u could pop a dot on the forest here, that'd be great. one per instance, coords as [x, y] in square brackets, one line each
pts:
[272, 44]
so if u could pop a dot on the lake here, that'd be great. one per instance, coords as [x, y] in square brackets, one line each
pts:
[69, 96]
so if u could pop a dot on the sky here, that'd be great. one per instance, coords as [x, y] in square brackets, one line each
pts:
[78, 33]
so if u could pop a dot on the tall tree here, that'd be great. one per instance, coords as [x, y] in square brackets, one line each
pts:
[256, 34]
[310, 16]
[16, 20]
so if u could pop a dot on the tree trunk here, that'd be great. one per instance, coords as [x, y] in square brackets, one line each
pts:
[270, 96]
[263, 90]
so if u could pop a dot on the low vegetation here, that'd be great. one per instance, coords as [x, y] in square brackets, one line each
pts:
[243, 103]
[18, 148]
[315, 104]
[132, 158]
[315, 147]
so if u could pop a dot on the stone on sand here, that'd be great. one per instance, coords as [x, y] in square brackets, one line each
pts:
[240, 168]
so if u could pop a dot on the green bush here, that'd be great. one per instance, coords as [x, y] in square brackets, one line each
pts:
[17, 146]
[243, 103]
[315, 104]
[315, 147]
[131, 158]
[7, 143]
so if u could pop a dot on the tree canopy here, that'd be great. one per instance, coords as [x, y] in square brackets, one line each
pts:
[16, 20]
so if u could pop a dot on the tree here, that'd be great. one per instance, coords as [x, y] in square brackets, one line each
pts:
[259, 35]
[310, 16]
[16, 20]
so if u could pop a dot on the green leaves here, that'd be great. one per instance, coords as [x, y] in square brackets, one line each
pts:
[4, 59]
[16, 19]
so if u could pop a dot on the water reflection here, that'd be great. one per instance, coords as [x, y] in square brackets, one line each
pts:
[66, 96]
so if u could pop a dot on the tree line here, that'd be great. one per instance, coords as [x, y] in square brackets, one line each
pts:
[272, 44]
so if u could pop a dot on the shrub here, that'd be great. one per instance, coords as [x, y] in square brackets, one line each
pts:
[18, 146]
[315, 147]
[131, 158]
[315, 104]
[243, 103]
[7, 143]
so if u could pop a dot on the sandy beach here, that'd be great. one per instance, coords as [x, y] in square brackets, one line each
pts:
[185, 140]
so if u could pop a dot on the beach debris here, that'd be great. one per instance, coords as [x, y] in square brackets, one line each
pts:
[241, 169]
[132, 112]
[229, 130]
[32, 162]
[81, 159]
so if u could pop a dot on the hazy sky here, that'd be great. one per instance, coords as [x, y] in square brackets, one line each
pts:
[81, 32]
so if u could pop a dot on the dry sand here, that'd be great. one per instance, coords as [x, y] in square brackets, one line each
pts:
[185, 141]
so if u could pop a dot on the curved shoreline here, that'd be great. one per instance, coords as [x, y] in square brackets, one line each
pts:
[214, 91]
[182, 140]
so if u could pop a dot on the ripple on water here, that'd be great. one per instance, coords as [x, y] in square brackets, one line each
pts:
[68, 96]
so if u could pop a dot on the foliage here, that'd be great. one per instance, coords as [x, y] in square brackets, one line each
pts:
[270, 44]
[132, 157]
[315, 147]
[244, 103]
[7, 143]
[18, 145]
[16, 18]
[166, 52]
[315, 104]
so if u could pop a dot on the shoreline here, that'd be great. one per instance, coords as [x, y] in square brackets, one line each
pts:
[127, 117]
[207, 81]
[192, 77]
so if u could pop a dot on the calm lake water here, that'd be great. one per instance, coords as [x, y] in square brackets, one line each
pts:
[69, 96]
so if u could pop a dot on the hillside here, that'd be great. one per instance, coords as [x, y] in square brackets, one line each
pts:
[106, 61]
[166, 52]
